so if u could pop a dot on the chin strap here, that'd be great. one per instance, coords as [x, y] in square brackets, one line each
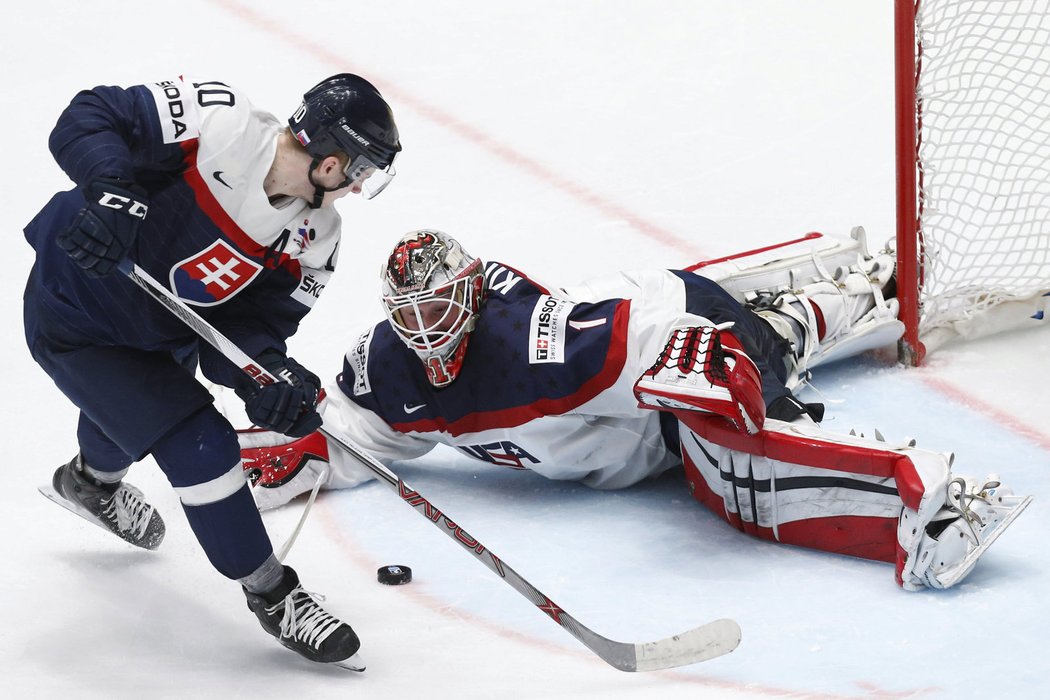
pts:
[319, 189]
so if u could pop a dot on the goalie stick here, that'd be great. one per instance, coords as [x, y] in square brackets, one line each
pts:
[699, 644]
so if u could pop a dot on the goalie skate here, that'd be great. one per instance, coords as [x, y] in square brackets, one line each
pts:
[974, 516]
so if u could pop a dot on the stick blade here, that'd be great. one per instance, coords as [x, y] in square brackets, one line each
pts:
[708, 641]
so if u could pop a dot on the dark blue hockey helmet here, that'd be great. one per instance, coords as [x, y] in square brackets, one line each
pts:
[345, 113]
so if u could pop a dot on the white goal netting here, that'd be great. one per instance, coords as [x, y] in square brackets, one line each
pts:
[984, 150]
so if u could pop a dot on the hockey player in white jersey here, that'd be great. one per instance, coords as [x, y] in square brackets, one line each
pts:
[622, 378]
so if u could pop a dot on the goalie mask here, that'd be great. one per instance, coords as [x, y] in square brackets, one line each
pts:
[432, 294]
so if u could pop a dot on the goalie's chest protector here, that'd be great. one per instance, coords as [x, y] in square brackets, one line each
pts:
[530, 355]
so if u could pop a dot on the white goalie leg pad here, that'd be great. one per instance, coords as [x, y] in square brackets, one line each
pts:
[839, 317]
[828, 288]
[787, 265]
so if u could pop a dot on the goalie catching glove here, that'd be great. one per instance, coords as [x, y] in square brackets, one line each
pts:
[705, 368]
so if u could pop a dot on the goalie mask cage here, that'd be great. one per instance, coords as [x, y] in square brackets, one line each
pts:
[973, 167]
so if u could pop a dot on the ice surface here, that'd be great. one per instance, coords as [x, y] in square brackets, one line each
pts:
[569, 139]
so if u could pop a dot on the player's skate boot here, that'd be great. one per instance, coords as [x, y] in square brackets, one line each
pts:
[295, 617]
[975, 513]
[119, 507]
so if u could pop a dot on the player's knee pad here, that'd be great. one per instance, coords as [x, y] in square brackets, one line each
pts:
[201, 458]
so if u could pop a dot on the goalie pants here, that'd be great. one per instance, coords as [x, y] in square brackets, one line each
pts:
[134, 402]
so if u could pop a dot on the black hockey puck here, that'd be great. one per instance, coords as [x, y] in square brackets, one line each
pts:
[394, 574]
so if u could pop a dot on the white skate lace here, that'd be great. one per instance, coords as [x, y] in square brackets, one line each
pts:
[961, 502]
[304, 618]
[129, 509]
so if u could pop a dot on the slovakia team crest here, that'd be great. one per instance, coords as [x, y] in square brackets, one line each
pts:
[213, 275]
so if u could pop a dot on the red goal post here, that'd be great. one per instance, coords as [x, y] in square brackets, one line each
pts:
[973, 167]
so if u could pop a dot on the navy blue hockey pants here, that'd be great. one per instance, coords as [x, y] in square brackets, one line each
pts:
[134, 402]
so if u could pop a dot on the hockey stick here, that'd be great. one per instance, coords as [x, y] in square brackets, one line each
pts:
[699, 644]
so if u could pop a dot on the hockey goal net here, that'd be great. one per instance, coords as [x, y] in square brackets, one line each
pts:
[973, 161]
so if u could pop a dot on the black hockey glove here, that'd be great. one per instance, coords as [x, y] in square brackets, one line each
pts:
[288, 406]
[104, 230]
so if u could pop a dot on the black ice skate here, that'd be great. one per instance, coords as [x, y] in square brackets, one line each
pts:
[295, 618]
[118, 508]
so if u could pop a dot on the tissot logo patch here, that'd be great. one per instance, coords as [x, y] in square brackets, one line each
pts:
[547, 330]
[357, 358]
[213, 275]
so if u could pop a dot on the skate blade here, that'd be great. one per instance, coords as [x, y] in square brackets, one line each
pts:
[354, 663]
[1017, 505]
[51, 494]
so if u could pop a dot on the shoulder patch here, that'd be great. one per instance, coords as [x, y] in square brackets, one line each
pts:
[357, 358]
[547, 328]
[177, 109]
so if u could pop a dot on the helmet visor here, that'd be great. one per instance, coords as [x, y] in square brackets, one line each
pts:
[366, 177]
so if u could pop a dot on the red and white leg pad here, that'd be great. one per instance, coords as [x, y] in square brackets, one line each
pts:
[798, 484]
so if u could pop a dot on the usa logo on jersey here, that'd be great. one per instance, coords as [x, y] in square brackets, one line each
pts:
[213, 275]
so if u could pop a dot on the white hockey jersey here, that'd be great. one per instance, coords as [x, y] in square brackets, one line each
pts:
[547, 381]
